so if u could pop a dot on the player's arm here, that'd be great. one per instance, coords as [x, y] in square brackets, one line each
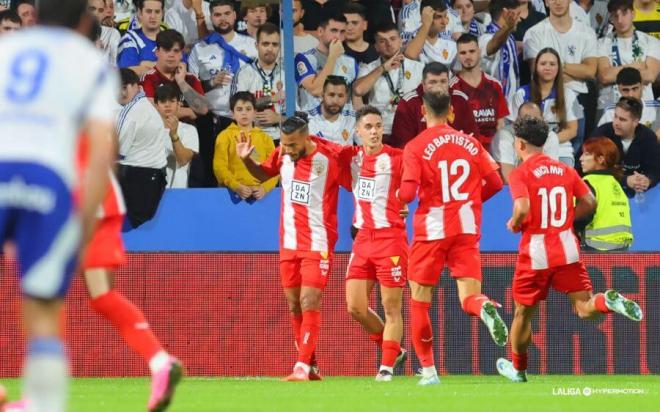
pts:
[411, 176]
[521, 204]
[491, 184]
[314, 83]
[585, 207]
[244, 149]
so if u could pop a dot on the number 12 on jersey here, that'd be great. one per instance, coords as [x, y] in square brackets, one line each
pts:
[460, 168]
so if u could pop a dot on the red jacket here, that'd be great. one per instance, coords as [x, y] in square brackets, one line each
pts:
[409, 122]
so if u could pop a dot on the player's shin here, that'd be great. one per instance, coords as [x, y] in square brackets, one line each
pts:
[422, 332]
[309, 334]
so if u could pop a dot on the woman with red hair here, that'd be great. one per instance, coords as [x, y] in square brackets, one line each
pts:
[610, 228]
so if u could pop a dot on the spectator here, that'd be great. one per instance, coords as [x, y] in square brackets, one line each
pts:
[170, 70]
[503, 145]
[331, 120]
[183, 139]
[629, 84]
[410, 21]
[108, 19]
[316, 11]
[109, 39]
[9, 21]
[465, 9]
[142, 157]
[483, 91]
[124, 11]
[386, 80]
[610, 228]
[188, 18]
[228, 167]
[429, 45]
[596, 14]
[263, 78]
[558, 105]
[26, 11]
[625, 47]
[315, 65]
[137, 47]
[409, 120]
[647, 17]
[132, 21]
[498, 46]
[302, 41]
[637, 144]
[4, 5]
[529, 17]
[577, 48]
[379, 12]
[355, 45]
[254, 14]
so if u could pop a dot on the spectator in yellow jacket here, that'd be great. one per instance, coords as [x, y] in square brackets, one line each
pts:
[227, 166]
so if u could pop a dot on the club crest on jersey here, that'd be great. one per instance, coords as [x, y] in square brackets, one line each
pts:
[451, 116]
[344, 134]
[302, 69]
[599, 19]
[381, 165]
[571, 50]
[407, 75]
[445, 54]
[318, 169]
[344, 69]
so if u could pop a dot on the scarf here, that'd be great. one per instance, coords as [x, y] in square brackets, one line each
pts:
[233, 57]
[509, 56]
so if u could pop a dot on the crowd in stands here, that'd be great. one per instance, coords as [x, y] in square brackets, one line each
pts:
[198, 76]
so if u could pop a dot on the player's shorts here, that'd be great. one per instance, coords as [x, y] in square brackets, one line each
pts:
[381, 258]
[308, 268]
[428, 258]
[531, 286]
[106, 249]
[37, 213]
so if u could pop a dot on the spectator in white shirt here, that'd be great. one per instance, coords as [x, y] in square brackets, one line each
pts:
[182, 140]
[264, 78]
[331, 120]
[625, 47]
[142, 157]
[502, 147]
[302, 41]
[410, 20]
[429, 45]
[558, 104]
[386, 80]
[499, 54]
[629, 84]
[109, 39]
[577, 48]
[187, 17]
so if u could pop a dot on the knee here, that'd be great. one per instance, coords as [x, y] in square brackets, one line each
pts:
[294, 305]
[521, 314]
[310, 301]
[356, 310]
[392, 308]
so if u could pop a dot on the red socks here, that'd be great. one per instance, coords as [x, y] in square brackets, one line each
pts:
[599, 303]
[422, 333]
[296, 323]
[377, 338]
[309, 334]
[519, 361]
[130, 322]
[473, 303]
[391, 350]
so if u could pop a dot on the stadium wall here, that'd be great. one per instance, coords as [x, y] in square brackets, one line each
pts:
[223, 314]
[205, 220]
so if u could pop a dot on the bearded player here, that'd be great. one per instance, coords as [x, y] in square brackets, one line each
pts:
[543, 192]
[380, 248]
[454, 175]
[310, 175]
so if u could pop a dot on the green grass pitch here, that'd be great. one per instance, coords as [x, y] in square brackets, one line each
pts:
[456, 393]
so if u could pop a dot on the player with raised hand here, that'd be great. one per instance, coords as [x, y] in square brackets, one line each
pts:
[45, 107]
[380, 249]
[454, 175]
[310, 176]
[544, 192]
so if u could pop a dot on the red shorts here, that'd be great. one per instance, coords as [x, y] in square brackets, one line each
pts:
[384, 259]
[106, 249]
[460, 253]
[304, 268]
[531, 286]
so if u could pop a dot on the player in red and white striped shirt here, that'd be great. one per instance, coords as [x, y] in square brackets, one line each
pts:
[102, 257]
[544, 191]
[454, 175]
[310, 176]
[380, 249]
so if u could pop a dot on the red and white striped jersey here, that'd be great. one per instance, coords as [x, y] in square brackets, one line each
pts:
[375, 180]
[547, 240]
[113, 202]
[448, 166]
[310, 189]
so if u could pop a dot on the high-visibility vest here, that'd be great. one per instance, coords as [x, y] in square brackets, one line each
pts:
[610, 229]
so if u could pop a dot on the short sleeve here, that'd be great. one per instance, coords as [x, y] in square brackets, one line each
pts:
[304, 68]
[103, 98]
[502, 108]
[193, 62]
[271, 166]
[580, 188]
[129, 54]
[148, 86]
[194, 82]
[487, 164]
[591, 44]
[530, 44]
[517, 185]
[412, 169]
[502, 147]
[484, 39]
[572, 105]
[515, 103]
